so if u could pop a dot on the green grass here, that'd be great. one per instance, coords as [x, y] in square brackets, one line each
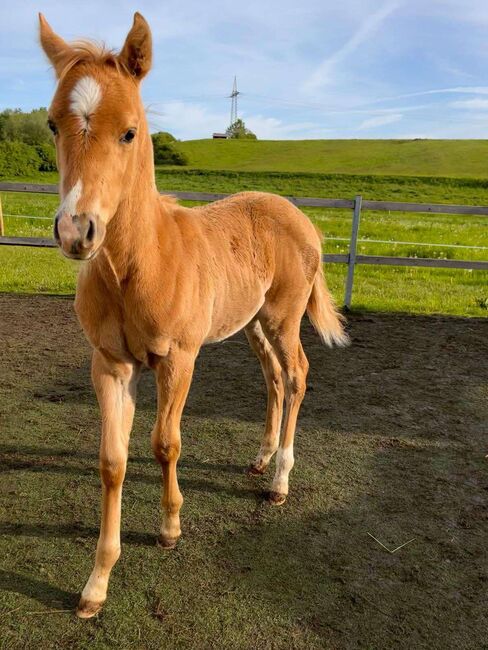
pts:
[395, 188]
[379, 288]
[467, 158]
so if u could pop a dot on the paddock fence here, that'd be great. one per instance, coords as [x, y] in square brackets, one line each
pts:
[358, 205]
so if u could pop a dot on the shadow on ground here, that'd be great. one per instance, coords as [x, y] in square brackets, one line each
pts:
[391, 442]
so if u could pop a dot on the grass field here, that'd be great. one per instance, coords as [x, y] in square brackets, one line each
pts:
[387, 444]
[376, 288]
[457, 158]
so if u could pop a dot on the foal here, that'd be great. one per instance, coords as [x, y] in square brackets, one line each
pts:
[161, 280]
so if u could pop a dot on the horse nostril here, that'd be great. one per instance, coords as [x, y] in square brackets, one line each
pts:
[91, 231]
[56, 231]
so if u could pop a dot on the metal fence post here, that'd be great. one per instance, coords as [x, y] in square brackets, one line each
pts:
[356, 216]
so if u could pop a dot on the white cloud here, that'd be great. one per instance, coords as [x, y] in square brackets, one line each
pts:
[324, 73]
[186, 121]
[271, 128]
[193, 121]
[471, 104]
[412, 136]
[380, 120]
[457, 90]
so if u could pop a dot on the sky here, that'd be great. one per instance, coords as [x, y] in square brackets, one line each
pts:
[305, 68]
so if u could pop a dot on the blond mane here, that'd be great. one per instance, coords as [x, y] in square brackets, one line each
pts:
[88, 51]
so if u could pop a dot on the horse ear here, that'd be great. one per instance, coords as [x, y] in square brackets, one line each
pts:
[57, 50]
[136, 55]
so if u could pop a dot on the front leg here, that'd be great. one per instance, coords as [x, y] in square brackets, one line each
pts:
[115, 385]
[173, 376]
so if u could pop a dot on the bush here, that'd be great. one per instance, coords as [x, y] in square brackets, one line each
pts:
[47, 154]
[163, 136]
[164, 154]
[18, 159]
[164, 151]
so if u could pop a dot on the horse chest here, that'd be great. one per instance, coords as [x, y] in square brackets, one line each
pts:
[145, 336]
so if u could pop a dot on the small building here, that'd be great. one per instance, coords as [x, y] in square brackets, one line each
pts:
[219, 136]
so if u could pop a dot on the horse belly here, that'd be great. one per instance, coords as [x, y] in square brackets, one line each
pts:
[232, 315]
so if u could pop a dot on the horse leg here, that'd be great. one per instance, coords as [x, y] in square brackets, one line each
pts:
[173, 376]
[285, 339]
[274, 383]
[115, 385]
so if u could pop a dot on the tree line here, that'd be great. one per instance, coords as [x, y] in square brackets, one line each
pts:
[27, 147]
[26, 143]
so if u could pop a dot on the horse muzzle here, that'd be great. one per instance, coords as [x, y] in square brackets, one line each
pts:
[79, 236]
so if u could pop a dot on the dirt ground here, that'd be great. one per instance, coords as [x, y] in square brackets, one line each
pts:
[392, 441]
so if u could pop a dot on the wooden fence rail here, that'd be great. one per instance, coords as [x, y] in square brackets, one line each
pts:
[357, 205]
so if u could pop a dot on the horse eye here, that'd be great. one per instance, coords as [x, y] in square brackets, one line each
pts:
[128, 136]
[52, 127]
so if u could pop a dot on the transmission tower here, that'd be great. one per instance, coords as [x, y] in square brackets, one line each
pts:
[233, 105]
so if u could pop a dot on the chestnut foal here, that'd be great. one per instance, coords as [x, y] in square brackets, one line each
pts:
[161, 280]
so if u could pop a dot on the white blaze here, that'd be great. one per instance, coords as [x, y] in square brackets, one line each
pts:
[70, 201]
[85, 98]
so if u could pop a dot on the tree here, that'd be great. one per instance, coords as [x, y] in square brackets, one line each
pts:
[30, 128]
[26, 142]
[238, 130]
[18, 159]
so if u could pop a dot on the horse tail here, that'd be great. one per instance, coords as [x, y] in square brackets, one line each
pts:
[323, 314]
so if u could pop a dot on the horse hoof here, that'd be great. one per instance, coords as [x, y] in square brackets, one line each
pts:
[166, 543]
[88, 609]
[276, 498]
[252, 470]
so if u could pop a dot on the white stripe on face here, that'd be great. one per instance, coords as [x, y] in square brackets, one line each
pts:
[85, 98]
[70, 201]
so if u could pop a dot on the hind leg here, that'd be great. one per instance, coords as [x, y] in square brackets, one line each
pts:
[284, 336]
[274, 412]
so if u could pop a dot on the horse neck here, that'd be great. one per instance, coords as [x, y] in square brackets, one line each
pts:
[132, 232]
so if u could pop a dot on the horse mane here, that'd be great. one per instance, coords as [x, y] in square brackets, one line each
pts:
[168, 200]
[88, 51]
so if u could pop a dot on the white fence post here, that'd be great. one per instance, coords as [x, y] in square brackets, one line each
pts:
[356, 216]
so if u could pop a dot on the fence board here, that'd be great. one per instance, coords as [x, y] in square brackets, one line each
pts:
[434, 208]
[393, 206]
[422, 261]
[196, 196]
[336, 258]
[39, 242]
[28, 187]
[310, 202]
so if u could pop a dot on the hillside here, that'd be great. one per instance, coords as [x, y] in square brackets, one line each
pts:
[452, 158]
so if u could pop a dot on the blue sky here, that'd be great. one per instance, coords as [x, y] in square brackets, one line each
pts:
[306, 69]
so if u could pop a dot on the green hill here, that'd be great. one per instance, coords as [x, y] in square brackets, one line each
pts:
[454, 158]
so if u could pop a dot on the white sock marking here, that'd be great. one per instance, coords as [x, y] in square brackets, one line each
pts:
[284, 463]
